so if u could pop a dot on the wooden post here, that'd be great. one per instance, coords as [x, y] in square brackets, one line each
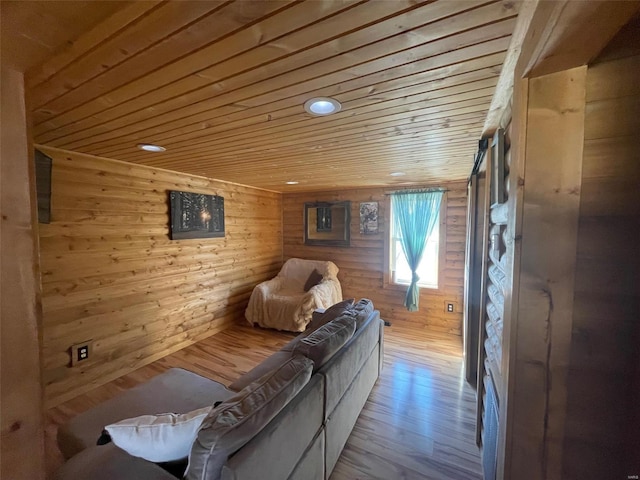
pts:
[22, 448]
[541, 313]
[515, 201]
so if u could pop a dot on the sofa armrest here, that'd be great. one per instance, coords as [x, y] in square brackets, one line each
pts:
[108, 462]
[175, 390]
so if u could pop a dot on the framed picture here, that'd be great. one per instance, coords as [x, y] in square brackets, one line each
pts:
[196, 215]
[497, 168]
[368, 218]
[327, 223]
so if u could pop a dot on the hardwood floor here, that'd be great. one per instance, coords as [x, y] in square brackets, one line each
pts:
[419, 420]
[417, 424]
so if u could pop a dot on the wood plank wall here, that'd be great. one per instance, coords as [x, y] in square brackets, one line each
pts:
[601, 405]
[21, 419]
[111, 274]
[551, 169]
[362, 264]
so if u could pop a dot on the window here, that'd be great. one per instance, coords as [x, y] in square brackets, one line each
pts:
[399, 271]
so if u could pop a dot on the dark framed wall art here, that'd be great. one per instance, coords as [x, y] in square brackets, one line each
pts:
[196, 215]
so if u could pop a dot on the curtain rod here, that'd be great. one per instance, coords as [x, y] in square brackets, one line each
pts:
[417, 190]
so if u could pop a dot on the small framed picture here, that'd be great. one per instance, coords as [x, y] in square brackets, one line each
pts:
[368, 218]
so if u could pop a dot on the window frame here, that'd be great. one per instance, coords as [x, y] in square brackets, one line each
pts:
[442, 247]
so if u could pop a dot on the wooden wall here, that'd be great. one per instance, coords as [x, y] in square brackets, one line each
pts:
[362, 264]
[22, 440]
[554, 122]
[569, 405]
[606, 317]
[111, 274]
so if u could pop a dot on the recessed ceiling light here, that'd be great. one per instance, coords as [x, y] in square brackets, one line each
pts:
[320, 106]
[292, 183]
[149, 147]
[397, 174]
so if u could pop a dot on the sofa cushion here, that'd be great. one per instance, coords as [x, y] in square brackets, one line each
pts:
[236, 421]
[331, 313]
[274, 361]
[108, 462]
[175, 390]
[318, 321]
[322, 344]
[158, 438]
[362, 309]
[289, 346]
[281, 356]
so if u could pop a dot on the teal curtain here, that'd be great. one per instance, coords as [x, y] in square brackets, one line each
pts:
[415, 214]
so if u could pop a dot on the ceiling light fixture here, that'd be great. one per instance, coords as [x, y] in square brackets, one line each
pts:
[291, 182]
[397, 174]
[149, 147]
[321, 106]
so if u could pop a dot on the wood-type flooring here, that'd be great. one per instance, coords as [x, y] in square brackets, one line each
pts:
[417, 424]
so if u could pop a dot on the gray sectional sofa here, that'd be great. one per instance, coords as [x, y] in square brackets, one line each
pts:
[288, 418]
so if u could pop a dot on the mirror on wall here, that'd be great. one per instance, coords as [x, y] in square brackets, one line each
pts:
[327, 223]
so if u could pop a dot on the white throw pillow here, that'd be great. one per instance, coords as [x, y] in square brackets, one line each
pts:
[158, 438]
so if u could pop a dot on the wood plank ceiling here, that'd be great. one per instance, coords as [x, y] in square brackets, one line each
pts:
[222, 84]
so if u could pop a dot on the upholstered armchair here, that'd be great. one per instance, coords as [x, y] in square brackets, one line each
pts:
[287, 301]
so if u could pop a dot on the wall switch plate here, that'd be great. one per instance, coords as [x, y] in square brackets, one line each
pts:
[81, 352]
[449, 307]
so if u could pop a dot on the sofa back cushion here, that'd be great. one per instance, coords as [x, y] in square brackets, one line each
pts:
[281, 356]
[267, 365]
[323, 344]
[334, 311]
[236, 421]
[362, 310]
